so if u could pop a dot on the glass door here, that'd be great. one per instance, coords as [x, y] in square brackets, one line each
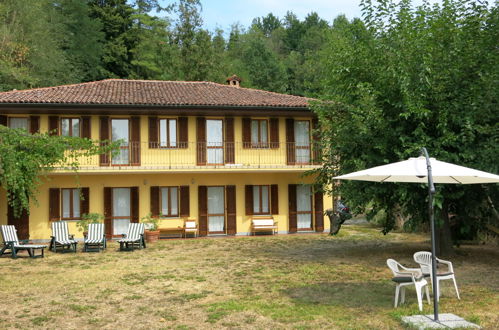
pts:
[304, 207]
[121, 210]
[121, 131]
[216, 210]
[214, 142]
[302, 144]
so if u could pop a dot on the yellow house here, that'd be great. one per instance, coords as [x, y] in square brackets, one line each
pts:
[220, 154]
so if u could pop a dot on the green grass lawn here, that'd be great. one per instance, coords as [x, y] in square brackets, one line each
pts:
[286, 281]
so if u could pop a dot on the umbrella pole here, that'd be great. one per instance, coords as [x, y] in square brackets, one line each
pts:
[431, 192]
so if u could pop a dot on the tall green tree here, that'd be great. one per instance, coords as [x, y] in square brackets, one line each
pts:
[28, 56]
[26, 158]
[116, 17]
[82, 38]
[410, 77]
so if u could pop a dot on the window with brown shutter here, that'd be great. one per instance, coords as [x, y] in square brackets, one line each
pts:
[183, 132]
[184, 201]
[135, 141]
[154, 201]
[274, 199]
[259, 133]
[261, 199]
[108, 211]
[153, 133]
[229, 140]
[292, 217]
[246, 132]
[274, 133]
[104, 159]
[70, 127]
[86, 127]
[3, 120]
[201, 140]
[290, 141]
[203, 210]
[34, 124]
[70, 204]
[168, 137]
[319, 211]
[248, 192]
[315, 146]
[85, 201]
[54, 204]
[169, 202]
[53, 125]
[230, 192]
[134, 204]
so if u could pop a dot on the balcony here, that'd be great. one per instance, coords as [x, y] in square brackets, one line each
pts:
[197, 156]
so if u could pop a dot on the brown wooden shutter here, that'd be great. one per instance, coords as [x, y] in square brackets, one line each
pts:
[34, 124]
[293, 219]
[230, 193]
[274, 133]
[183, 132]
[290, 141]
[319, 211]
[203, 210]
[248, 199]
[229, 140]
[153, 133]
[54, 204]
[108, 211]
[246, 132]
[85, 202]
[135, 141]
[134, 204]
[315, 145]
[21, 223]
[155, 201]
[85, 127]
[201, 140]
[274, 199]
[104, 159]
[3, 120]
[53, 125]
[184, 201]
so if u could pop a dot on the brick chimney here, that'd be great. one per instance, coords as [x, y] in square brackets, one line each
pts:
[234, 81]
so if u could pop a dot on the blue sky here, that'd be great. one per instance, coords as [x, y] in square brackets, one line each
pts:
[223, 13]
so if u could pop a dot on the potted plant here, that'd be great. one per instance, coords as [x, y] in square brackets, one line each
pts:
[86, 219]
[151, 225]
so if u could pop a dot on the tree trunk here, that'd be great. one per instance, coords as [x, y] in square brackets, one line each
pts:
[444, 238]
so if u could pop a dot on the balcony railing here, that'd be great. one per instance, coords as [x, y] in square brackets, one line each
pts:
[201, 155]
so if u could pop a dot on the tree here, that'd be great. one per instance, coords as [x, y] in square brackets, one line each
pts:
[26, 158]
[406, 78]
[82, 39]
[28, 58]
[117, 21]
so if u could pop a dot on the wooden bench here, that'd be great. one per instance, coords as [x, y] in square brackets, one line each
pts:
[263, 224]
[168, 232]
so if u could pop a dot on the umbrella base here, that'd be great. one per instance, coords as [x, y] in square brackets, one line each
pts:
[446, 320]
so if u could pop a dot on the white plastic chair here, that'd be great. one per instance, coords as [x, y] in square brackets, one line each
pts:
[408, 276]
[423, 258]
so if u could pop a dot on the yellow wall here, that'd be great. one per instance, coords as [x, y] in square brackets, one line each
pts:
[40, 226]
[187, 157]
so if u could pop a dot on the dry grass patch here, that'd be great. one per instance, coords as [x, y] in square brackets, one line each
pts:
[287, 281]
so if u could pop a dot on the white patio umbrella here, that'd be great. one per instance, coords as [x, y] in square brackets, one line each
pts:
[421, 170]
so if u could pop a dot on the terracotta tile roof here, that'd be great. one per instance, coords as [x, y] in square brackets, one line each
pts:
[153, 92]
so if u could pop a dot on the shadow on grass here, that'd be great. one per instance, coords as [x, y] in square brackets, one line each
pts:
[373, 295]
